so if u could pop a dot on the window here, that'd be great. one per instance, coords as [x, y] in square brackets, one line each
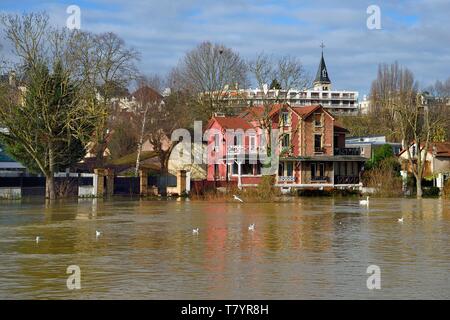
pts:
[252, 143]
[247, 169]
[317, 119]
[318, 143]
[313, 170]
[216, 170]
[258, 168]
[216, 142]
[234, 168]
[281, 169]
[290, 169]
[321, 169]
[285, 118]
[286, 140]
[238, 139]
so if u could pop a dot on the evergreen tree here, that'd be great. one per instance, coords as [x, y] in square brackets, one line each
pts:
[48, 130]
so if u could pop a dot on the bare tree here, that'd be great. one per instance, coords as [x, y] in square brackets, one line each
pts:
[437, 97]
[287, 73]
[113, 67]
[159, 119]
[383, 96]
[396, 92]
[147, 100]
[210, 71]
[27, 33]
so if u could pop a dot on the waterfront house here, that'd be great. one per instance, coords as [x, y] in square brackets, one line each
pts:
[437, 161]
[311, 148]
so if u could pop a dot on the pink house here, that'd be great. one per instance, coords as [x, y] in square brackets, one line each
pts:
[310, 148]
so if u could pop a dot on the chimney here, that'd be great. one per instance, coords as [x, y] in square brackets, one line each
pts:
[12, 78]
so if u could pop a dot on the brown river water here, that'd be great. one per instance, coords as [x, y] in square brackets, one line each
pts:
[305, 248]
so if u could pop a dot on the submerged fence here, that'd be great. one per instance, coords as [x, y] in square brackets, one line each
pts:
[67, 185]
[80, 184]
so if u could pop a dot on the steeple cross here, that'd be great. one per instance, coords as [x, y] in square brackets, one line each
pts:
[322, 46]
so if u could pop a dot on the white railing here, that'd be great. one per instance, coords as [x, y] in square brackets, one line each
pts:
[286, 179]
[243, 149]
[236, 149]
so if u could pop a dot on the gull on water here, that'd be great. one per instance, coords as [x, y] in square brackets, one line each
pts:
[251, 227]
[37, 239]
[400, 219]
[97, 233]
[195, 231]
[235, 197]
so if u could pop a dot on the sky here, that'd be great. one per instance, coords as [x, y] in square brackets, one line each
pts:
[413, 32]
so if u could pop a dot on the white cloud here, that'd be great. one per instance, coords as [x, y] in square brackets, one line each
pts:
[414, 32]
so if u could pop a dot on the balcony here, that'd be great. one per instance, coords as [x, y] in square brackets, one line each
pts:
[319, 179]
[234, 150]
[286, 179]
[346, 179]
[347, 151]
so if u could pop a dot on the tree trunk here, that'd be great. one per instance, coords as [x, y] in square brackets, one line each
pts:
[138, 158]
[50, 176]
[419, 187]
[50, 192]
[164, 160]
[163, 177]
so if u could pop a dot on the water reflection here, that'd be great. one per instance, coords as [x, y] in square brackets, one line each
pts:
[306, 248]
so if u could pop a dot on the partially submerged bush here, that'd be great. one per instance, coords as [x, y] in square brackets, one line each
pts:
[384, 179]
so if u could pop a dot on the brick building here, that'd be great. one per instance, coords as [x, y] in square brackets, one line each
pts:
[309, 147]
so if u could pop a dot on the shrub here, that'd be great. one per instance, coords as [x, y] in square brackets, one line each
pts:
[431, 192]
[380, 155]
[384, 179]
[446, 190]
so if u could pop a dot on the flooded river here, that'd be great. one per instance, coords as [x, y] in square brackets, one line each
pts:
[302, 249]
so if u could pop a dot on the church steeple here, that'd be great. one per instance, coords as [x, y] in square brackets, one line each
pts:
[322, 81]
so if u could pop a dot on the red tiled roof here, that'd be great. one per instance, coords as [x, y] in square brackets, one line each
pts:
[147, 93]
[305, 111]
[257, 111]
[442, 149]
[232, 123]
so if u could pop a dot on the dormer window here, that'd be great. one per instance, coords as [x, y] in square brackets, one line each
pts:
[317, 119]
[285, 118]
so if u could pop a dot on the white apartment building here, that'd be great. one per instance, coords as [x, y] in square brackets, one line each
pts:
[336, 101]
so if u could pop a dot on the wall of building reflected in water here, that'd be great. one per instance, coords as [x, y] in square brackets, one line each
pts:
[300, 248]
